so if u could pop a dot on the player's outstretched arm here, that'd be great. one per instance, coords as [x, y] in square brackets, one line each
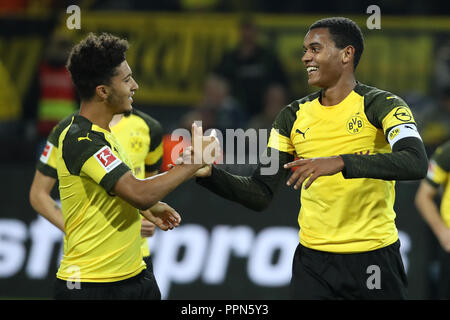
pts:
[42, 202]
[408, 161]
[254, 192]
[145, 193]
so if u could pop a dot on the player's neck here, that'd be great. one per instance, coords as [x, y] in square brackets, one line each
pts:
[336, 93]
[115, 120]
[97, 113]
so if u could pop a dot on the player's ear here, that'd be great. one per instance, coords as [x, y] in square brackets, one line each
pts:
[102, 91]
[348, 54]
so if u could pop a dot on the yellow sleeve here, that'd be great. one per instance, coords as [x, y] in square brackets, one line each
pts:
[104, 167]
[154, 156]
[398, 115]
[279, 142]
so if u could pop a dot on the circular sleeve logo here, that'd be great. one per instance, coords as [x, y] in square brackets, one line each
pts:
[403, 114]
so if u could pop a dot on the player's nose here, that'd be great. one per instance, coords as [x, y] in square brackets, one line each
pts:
[306, 58]
[135, 85]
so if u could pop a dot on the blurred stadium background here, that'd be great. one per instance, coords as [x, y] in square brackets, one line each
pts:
[222, 250]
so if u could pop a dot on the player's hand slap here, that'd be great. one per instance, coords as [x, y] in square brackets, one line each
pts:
[313, 168]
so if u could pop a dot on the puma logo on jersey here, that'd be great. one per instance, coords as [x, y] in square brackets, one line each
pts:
[302, 133]
[84, 138]
[412, 128]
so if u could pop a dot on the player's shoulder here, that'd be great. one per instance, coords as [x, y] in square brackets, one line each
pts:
[375, 96]
[310, 97]
[151, 122]
[379, 103]
[378, 98]
[59, 128]
[287, 116]
[80, 142]
[442, 156]
[295, 105]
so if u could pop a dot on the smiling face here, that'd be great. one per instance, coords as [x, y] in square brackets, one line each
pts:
[323, 60]
[121, 89]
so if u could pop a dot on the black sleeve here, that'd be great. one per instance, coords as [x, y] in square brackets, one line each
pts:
[254, 192]
[408, 161]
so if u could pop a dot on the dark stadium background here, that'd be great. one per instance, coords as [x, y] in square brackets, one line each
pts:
[221, 250]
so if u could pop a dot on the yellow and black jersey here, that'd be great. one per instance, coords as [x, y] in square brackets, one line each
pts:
[338, 214]
[141, 137]
[102, 232]
[439, 175]
[139, 134]
[349, 211]
[47, 161]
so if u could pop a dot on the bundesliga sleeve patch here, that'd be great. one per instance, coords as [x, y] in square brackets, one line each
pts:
[107, 159]
[46, 152]
[402, 131]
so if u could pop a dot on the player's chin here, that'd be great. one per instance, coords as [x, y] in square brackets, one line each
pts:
[312, 79]
[315, 81]
[128, 110]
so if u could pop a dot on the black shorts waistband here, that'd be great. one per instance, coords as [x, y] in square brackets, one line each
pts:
[107, 284]
[393, 246]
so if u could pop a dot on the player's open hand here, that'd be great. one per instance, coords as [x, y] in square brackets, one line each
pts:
[312, 169]
[205, 148]
[185, 157]
[163, 216]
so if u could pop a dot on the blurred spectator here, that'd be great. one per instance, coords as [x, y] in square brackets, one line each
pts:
[10, 105]
[218, 109]
[250, 68]
[442, 67]
[435, 129]
[57, 97]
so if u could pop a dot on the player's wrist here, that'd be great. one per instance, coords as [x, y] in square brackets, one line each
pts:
[341, 163]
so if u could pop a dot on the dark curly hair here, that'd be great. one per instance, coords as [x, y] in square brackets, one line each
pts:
[93, 61]
[343, 32]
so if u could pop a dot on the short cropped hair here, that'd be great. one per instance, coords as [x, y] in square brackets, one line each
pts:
[93, 62]
[343, 32]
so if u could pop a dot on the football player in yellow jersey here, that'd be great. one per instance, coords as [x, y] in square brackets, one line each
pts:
[353, 142]
[139, 134]
[100, 195]
[438, 176]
